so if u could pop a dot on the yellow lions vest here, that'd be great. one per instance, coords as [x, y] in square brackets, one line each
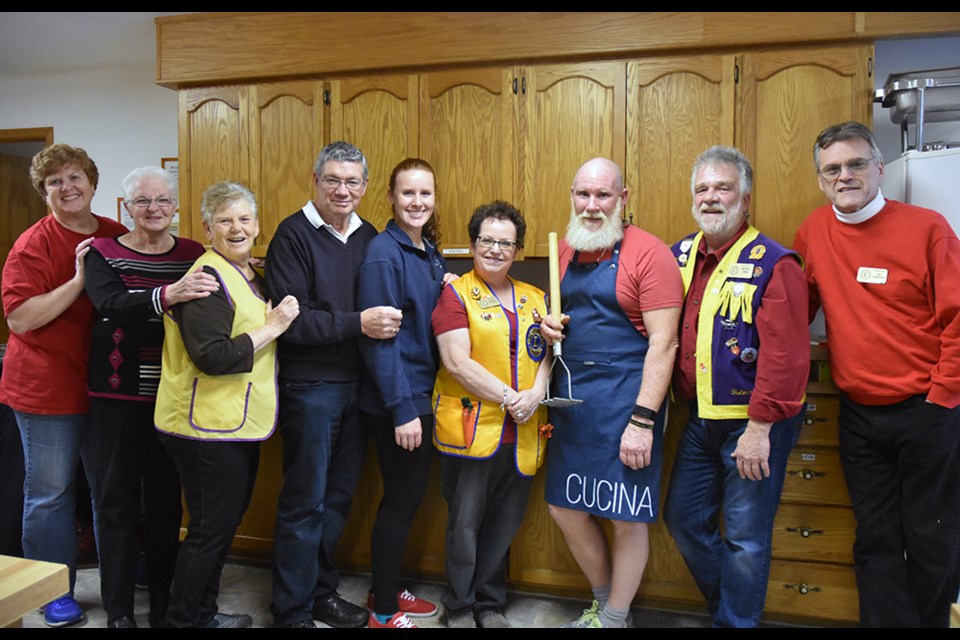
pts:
[236, 406]
[490, 346]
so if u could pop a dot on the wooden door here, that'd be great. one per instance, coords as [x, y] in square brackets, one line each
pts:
[468, 134]
[378, 114]
[213, 147]
[571, 113]
[676, 108]
[785, 98]
[286, 134]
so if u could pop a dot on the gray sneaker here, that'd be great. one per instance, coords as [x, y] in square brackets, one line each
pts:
[589, 619]
[230, 621]
[493, 620]
[460, 619]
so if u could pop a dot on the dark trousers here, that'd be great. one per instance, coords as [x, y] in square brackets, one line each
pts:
[217, 479]
[902, 466]
[11, 484]
[129, 457]
[486, 500]
[404, 475]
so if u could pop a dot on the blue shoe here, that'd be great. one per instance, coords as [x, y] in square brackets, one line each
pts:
[62, 612]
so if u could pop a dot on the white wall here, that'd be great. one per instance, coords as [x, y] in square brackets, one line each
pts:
[119, 115]
[895, 57]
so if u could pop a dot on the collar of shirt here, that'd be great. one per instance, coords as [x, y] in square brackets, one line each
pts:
[722, 251]
[314, 217]
[873, 208]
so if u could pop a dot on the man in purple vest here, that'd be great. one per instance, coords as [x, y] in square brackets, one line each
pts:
[742, 367]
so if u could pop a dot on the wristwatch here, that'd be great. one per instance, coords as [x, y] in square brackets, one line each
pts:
[643, 412]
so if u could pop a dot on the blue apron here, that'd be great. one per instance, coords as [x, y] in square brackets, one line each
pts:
[605, 354]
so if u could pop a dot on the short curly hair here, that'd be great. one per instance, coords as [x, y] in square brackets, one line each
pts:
[498, 210]
[56, 157]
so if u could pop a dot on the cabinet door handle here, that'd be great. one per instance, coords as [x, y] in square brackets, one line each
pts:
[803, 588]
[515, 86]
[806, 474]
[805, 532]
[812, 419]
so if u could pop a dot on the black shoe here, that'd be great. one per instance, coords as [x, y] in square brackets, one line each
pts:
[334, 611]
[299, 624]
[122, 622]
[230, 621]
[157, 617]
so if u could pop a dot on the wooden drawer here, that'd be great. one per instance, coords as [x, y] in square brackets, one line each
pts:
[820, 425]
[811, 590]
[814, 533]
[814, 476]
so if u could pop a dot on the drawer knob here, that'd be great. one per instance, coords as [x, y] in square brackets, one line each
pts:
[811, 419]
[803, 588]
[806, 474]
[805, 532]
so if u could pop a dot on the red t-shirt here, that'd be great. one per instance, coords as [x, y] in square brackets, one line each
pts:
[45, 370]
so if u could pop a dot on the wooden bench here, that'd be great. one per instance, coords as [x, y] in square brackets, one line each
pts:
[26, 585]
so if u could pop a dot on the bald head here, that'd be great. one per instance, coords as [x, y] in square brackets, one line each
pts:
[600, 170]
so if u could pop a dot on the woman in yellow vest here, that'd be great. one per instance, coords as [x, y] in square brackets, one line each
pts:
[218, 399]
[490, 425]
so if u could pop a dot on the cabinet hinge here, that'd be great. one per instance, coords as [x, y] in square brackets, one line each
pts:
[869, 67]
[326, 97]
[523, 85]
[515, 86]
[736, 74]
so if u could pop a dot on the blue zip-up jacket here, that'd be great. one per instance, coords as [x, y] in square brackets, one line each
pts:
[400, 371]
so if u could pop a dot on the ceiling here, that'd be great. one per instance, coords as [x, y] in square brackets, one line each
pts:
[58, 42]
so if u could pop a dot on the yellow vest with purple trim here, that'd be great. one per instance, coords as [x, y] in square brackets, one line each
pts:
[728, 343]
[236, 406]
[489, 330]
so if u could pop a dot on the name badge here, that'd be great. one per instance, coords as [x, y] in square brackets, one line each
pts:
[488, 302]
[741, 270]
[872, 275]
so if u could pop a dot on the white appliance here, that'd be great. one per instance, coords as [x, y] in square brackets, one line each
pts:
[927, 179]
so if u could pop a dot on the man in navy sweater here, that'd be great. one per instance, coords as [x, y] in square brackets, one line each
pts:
[315, 255]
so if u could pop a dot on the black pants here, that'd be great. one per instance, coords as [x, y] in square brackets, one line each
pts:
[404, 475]
[902, 466]
[11, 484]
[217, 480]
[129, 456]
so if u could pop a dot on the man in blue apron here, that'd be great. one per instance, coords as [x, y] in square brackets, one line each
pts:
[622, 292]
[742, 367]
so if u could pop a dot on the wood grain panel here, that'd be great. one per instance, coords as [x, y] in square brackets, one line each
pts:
[786, 99]
[676, 108]
[812, 591]
[814, 476]
[468, 134]
[820, 424]
[572, 113]
[814, 533]
[379, 116]
[286, 135]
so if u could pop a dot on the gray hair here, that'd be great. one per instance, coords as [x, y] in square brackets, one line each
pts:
[850, 130]
[131, 184]
[340, 151]
[223, 194]
[719, 154]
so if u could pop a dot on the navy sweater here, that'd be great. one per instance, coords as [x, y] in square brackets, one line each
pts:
[400, 371]
[321, 272]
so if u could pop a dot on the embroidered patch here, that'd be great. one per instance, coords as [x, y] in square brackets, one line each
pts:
[536, 346]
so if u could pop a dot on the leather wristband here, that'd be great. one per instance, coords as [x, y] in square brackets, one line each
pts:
[641, 425]
[641, 411]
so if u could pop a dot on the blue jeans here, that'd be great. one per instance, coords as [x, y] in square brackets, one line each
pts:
[53, 446]
[323, 451]
[731, 569]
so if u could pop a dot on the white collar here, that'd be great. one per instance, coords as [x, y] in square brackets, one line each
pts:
[313, 216]
[871, 209]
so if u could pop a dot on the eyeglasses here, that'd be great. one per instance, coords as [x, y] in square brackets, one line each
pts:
[332, 184]
[855, 167]
[504, 245]
[143, 203]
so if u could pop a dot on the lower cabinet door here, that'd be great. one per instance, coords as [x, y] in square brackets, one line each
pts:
[804, 590]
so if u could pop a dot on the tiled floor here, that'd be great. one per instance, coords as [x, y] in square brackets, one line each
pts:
[246, 589]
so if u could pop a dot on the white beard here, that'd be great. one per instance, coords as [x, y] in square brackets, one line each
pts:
[714, 225]
[580, 238]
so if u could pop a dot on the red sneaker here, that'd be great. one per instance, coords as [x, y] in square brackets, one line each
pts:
[398, 621]
[410, 604]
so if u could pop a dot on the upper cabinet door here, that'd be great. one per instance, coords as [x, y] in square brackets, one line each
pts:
[676, 108]
[785, 99]
[378, 114]
[212, 148]
[468, 133]
[571, 113]
[286, 133]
